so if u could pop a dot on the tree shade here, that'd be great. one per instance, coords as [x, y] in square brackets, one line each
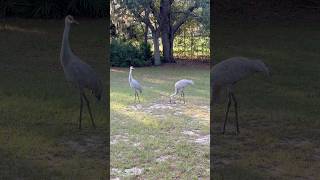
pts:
[52, 8]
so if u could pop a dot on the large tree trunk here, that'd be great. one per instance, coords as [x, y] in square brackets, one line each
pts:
[156, 53]
[166, 30]
[167, 43]
[171, 47]
[166, 47]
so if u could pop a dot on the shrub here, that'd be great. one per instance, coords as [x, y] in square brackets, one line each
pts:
[125, 54]
[146, 49]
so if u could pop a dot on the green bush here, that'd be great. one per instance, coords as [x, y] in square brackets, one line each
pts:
[146, 49]
[125, 54]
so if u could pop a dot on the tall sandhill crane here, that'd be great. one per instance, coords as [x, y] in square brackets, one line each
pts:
[179, 88]
[80, 74]
[227, 73]
[135, 85]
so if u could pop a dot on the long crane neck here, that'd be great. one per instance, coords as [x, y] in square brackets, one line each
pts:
[66, 51]
[130, 75]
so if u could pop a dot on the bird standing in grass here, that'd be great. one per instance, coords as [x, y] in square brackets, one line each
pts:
[226, 74]
[79, 73]
[135, 85]
[179, 88]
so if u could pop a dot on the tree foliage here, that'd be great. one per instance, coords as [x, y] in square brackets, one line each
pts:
[163, 18]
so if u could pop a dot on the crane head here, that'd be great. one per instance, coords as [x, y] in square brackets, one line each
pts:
[131, 68]
[262, 67]
[70, 20]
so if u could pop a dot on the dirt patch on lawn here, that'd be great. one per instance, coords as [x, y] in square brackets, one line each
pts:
[196, 137]
[135, 171]
[163, 109]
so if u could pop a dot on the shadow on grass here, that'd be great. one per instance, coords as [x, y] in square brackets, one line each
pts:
[13, 167]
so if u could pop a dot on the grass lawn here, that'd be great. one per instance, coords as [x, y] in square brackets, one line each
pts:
[279, 118]
[155, 139]
[39, 133]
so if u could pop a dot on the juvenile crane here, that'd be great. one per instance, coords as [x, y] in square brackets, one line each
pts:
[80, 74]
[135, 85]
[179, 88]
[227, 73]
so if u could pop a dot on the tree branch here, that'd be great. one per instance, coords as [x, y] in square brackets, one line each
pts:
[154, 11]
[145, 19]
[187, 13]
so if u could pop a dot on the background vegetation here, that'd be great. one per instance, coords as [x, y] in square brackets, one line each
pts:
[143, 21]
[125, 53]
[52, 8]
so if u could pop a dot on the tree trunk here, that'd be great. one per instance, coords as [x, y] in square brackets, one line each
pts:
[146, 42]
[156, 53]
[166, 29]
[171, 48]
[167, 43]
[146, 34]
[165, 47]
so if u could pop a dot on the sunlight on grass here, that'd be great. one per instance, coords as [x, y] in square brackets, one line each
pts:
[152, 129]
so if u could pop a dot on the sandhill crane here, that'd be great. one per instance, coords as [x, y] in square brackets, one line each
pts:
[227, 73]
[179, 88]
[135, 85]
[80, 74]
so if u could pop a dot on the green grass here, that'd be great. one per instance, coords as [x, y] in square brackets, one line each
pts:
[139, 137]
[279, 118]
[39, 109]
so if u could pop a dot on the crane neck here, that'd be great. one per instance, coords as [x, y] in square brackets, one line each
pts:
[130, 75]
[66, 51]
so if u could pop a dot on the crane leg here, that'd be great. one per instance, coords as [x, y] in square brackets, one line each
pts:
[135, 96]
[138, 97]
[236, 111]
[182, 93]
[227, 112]
[89, 109]
[172, 99]
[81, 107]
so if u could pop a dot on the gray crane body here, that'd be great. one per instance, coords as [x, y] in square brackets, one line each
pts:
[227, 73]
[79, 73]
[179, 87]
[134, 84]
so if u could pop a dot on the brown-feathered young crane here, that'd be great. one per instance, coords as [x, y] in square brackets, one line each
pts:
[80, 74]
[227, 73]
